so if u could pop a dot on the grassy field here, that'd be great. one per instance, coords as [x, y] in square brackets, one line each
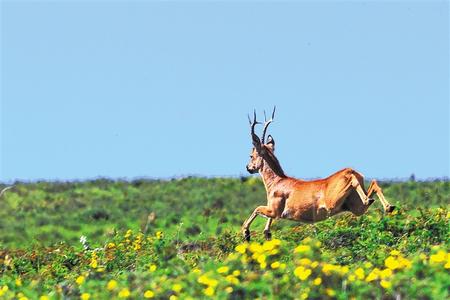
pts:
[180, 239]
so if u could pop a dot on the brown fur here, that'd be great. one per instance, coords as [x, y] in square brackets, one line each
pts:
[307, 201]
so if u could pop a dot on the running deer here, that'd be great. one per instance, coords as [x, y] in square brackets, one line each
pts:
[300, 200]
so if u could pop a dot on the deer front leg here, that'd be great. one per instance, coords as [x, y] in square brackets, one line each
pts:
[267, 233]
[260, 210]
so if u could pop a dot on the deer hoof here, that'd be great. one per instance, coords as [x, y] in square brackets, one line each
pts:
[246, 233]
[371, 200]
[390, 208]
[267, 235]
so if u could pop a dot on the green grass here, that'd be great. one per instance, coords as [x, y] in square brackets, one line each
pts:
[41, 224]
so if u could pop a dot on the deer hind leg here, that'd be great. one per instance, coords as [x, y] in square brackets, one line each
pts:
[375, 188]
[260, 210]
[357, 200]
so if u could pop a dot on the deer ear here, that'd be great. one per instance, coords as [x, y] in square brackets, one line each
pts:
[270, 142]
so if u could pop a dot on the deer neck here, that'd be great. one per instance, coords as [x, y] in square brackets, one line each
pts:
[271, 173]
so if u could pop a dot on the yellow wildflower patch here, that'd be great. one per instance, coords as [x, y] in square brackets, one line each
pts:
[85, 296]
[317, 281]
[223, 269]
[305, 261]
[330, 292]
[209, 291]
[439, 257]
[302, 249]
[386, 284]
[275, 265]
[392, 263]
[149, 294]
[177, 287]
[302, 273]
[124, 293]
[359, 273]
[80, 280]
[111, 285]
[241, 248]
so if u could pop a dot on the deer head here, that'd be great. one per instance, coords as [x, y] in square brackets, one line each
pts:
[260, 146]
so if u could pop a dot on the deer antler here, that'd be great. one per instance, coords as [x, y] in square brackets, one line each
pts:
[255, 138]
[267, 122]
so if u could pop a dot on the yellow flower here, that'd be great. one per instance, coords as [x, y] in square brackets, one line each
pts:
[149, 294]
[330, 292]
[385, 284]
[386, 273]
[223, 269]
[23, 298]
[159, 235]
[351, 277]
[261, 258]
[314, 264]
[274, 252]
[112, 284]
[305, 261]
[3, 290]
[231, 279]
[359, 273]
[255, 248]
[263, 265]
[111, 245]
[276, 242]
[328, 268]
[391, 263]
[128, 233]
[229, 289]
[268, 246]
[124, 293]
[85, 296]
[302, 273]
[173, 297]
[275, 265]
[438, 257]
[372, 275]
[18, 282]
[368, 265]
[304, 296]
[236, 273]
[177, 287]
[403, 262]
[447, 265]
[207, 281]
[317, 281]
[343, 270]
[282, 266]
[209, 291]
[80, 279]
[93, 263]
[241, 248]
[44, 297]
[302, 249]
[152, 268]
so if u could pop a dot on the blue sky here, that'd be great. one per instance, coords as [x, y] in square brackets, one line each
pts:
[160, 89]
